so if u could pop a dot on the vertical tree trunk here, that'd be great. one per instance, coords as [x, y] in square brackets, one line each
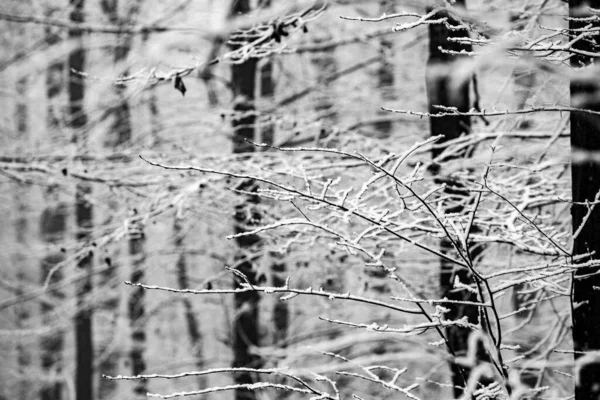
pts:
[83, 215]
[84, 369]
[585, 135]
[52, 231]
[193, 327]
[245, 326]
[53, 226]
[278, 267]
[137, 308]
[441, 90]
[267, 131]
[55, 79]
[120, 127]
[385, 72]
[107, 313]
[267, 90]
[119, 132]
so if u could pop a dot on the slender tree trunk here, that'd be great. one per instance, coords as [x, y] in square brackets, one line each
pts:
[137, 308]
[107, 314]
[585, 135]
[385, 73]
[53, 228]
[120, 127]
[192, 325]
[83, 214]
[278, 266]
[266, 91]
[55, 80]
[120, 133]
[245, 326]
[441, 90]
[83, 319]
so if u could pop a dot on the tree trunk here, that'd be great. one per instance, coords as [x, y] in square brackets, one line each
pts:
[245, 326]
[193, 327]
[137, 308]
[266, 92]
[53, 228]
[119, 133]
[441, 90]
[84, 345]
[385, 74]
[83, 215]
[55, 80]
[120, 127]
[585, 136]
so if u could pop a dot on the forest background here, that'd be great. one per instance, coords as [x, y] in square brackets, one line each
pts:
[132, 151]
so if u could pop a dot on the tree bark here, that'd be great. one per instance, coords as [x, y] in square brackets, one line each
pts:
[119, 133]
[120, 127]
[267, 135]
[441, 90]
[55, 80]
[53, 227]
[137, 308]
[385, 73]
[245, 325]
[83, 214]
[585, 135]
[193, 327]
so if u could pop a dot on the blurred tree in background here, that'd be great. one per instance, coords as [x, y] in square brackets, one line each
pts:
[344, 199]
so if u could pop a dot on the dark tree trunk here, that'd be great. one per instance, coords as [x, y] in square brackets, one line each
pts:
[441, 90]
[55, 79]
[83, 215]
[106, 316]
[245, 326]
[193, 327]
[385, 73]
[53, 226]
[137, 308]
[83, 319]
[118, 134]
[278, 266]
[120, 127]
[585, 135]
[267, 90]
